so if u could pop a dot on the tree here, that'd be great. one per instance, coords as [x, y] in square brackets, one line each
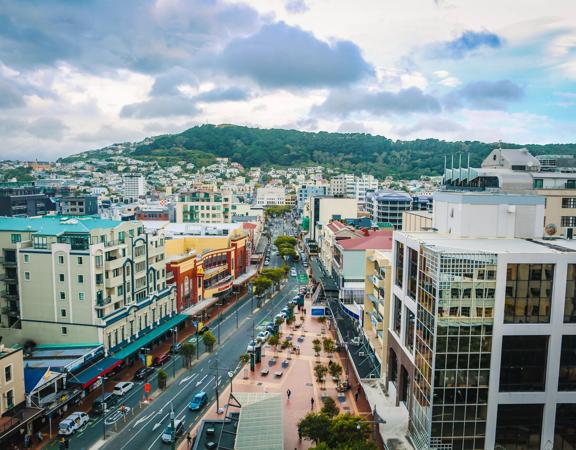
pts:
[335, 370]
[188, 350]
[314, 426]
[330, 408]
[348, 429]
[317, 346]
[261, 284]
[209, 340]
[275, 275]
[274, 340]
[162, 378]
[320, 371]
[244, 358]
[328, 345]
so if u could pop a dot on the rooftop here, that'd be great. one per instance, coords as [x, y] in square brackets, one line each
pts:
[380, 239]
[56, 225]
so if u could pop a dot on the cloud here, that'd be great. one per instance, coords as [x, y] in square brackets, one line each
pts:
[232, 94]
[437, 124]
[405, 101]
[280, 55]
[467, 42]
[353, 127]
[495, 95]
[10, 95]
[446, 79]
[47, 128]
[296, 6]
[164, 106]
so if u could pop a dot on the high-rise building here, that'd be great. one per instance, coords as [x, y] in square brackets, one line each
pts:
[306, 191]
[322, 210]
[481, 333]
[387, 207]
[134, 186]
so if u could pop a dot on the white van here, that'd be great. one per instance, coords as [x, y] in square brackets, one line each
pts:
[72, 423]
[121, 388]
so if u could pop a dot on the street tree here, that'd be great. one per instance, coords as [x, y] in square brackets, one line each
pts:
[314, 426]
[209, 340]
[188, 350]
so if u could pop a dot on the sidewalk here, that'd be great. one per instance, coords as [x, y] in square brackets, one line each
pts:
[298, 377]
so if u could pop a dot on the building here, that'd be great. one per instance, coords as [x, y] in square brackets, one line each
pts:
[328, 237]
[306, 191]
[346, 185]
[205, 206]
[387, 207]
[79, 205]
[377, 284]
[322, 210]
[82, 280]
[416, 221]
[24, 200]
[481, 333]
[270, 196]
[517, 171]
[151, 212]
[134, 186]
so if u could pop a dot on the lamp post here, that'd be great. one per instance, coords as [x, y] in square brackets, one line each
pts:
[173, 425]
[174, 331]
[105, 406]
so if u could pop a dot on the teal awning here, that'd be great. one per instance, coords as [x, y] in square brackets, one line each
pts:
[155, 333]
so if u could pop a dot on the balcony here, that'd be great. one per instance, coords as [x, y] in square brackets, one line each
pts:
[102, 302]
[376, 280]
[8, 262]
[114, 281]
[12, 312]
[8, 278]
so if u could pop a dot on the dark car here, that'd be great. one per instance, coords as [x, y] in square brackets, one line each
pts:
[161, 360]
[175, 348]
[143, 373]
[204, 329]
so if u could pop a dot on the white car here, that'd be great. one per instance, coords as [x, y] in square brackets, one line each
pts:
[293, 272]
[169, 436]
[121, 388]
[72, 423]
[251, 347]
[263, 336]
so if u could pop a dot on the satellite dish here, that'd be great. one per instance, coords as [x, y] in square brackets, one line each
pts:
[551, 229]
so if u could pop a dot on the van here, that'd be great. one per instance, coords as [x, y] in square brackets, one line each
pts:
[72, 423]
[168, 436]
[104, 403]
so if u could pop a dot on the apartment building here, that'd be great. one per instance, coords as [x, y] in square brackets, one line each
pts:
[305, 192]
[78, 205]
[24, 200]
[328, 237]
[205, 206]
[134, 186]
[481, 335]
[270, 196]
[81, 280]
[323, 210]
[12, 391]
[388, 206]
[347, 185]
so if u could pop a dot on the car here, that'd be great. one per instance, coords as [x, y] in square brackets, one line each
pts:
[121, 388]
[267, 262]
[263, 336]
[104, 403]
[198, 401]
[293, 272]
[169, 435]
[161, 360]
[305, 264]
[143, 373]
[72, 423]
[251, 346]
[204, 329]
[279, 316]
[175, 348]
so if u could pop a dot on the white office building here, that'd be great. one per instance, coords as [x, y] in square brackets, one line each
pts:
[134, 186]
[270, 196]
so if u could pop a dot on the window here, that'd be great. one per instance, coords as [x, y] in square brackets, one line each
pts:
[80, 279]
[81, 296]
[98, 261]
[40, 242]
[523, 363]
[519, 427]
[60, 259]
[569, 202]
[61, 277]
[528, 293]
[570, 296]
[64, 330]
[567, 377]
[27, 276]
[15, 238]
[26, 258]
[538, 183]
[399, 278]
[397, 315]
[409, 336]
[80, 260]
[568, 221]
[565, 431]
[62, 295]
[412, 272]
[62, 313]
[120, 290]
[8, 373]
[10, 399]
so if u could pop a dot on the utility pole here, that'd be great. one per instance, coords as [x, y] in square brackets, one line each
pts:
[197, 340]
[105, 406]
[173, 425]
[216, 387]
[219, 324]
[173, 346]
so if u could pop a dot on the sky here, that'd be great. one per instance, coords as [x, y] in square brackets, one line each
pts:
[80, 75]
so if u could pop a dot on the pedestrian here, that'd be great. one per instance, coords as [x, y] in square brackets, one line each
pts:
[299, 434]
[40, 436]
[288, 393]
[312, 403]
[357, 395]
[26, 440]
[189, 439]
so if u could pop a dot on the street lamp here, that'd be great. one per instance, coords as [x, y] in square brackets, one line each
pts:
[174, 338]
[102, 379]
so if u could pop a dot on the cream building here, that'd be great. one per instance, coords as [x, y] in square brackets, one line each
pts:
[12, 391]
[205, 206]
[82, 281]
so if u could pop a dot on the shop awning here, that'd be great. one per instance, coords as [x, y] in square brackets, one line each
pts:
[88, 376]
[133, 347]
[245, 276]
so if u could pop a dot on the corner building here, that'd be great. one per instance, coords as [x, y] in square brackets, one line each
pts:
[482, 331]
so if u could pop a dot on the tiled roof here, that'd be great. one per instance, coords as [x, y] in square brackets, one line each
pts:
[381, 239]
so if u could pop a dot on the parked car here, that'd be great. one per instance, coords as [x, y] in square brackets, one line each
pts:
[161, 360]
[293, 272]
[143, 373]
[104, 402]
[198, 401]
[267, 262]
[204, 329]
[279, 316]
[262, 336]
[171, 435]
[305, 264]
[72, 423]
[251, 346]
[175, 348]
[121, 388]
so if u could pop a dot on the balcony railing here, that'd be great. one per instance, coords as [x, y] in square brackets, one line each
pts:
[102, 302]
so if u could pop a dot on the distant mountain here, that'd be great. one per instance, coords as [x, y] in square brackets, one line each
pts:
[350, 152]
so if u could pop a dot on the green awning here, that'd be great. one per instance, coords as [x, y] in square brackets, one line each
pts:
[155, 333]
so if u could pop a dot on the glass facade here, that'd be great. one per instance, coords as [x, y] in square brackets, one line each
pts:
[528, 293]
[453, 344]
[567, 378]
[565, 429]
[412, 272]
[518, 427]
[397, 315]
[399, 275]
[409, 327]
[570, 298]
[523, 363]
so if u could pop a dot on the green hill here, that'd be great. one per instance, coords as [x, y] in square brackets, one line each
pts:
[350, 152]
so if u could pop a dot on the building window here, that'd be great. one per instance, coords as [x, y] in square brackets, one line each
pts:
[27, 276]
[569, 202]
[60, 259]
[64, 330]
[10, 399]
[568, 221]
[523, 363]
[397, 315]
[412, 272]
[528, 293]
[98, 261]
[399, 276]
[8, 374]
[80, 260]
[62, 295]
[538, 183]
[567, 377]
[61, 277]
[26, 258]
[519, 427]
[81, 296]
[570, 296]
[15, 238]
[80, 279]
[63, 313]
[409, 336]
[565, 430]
